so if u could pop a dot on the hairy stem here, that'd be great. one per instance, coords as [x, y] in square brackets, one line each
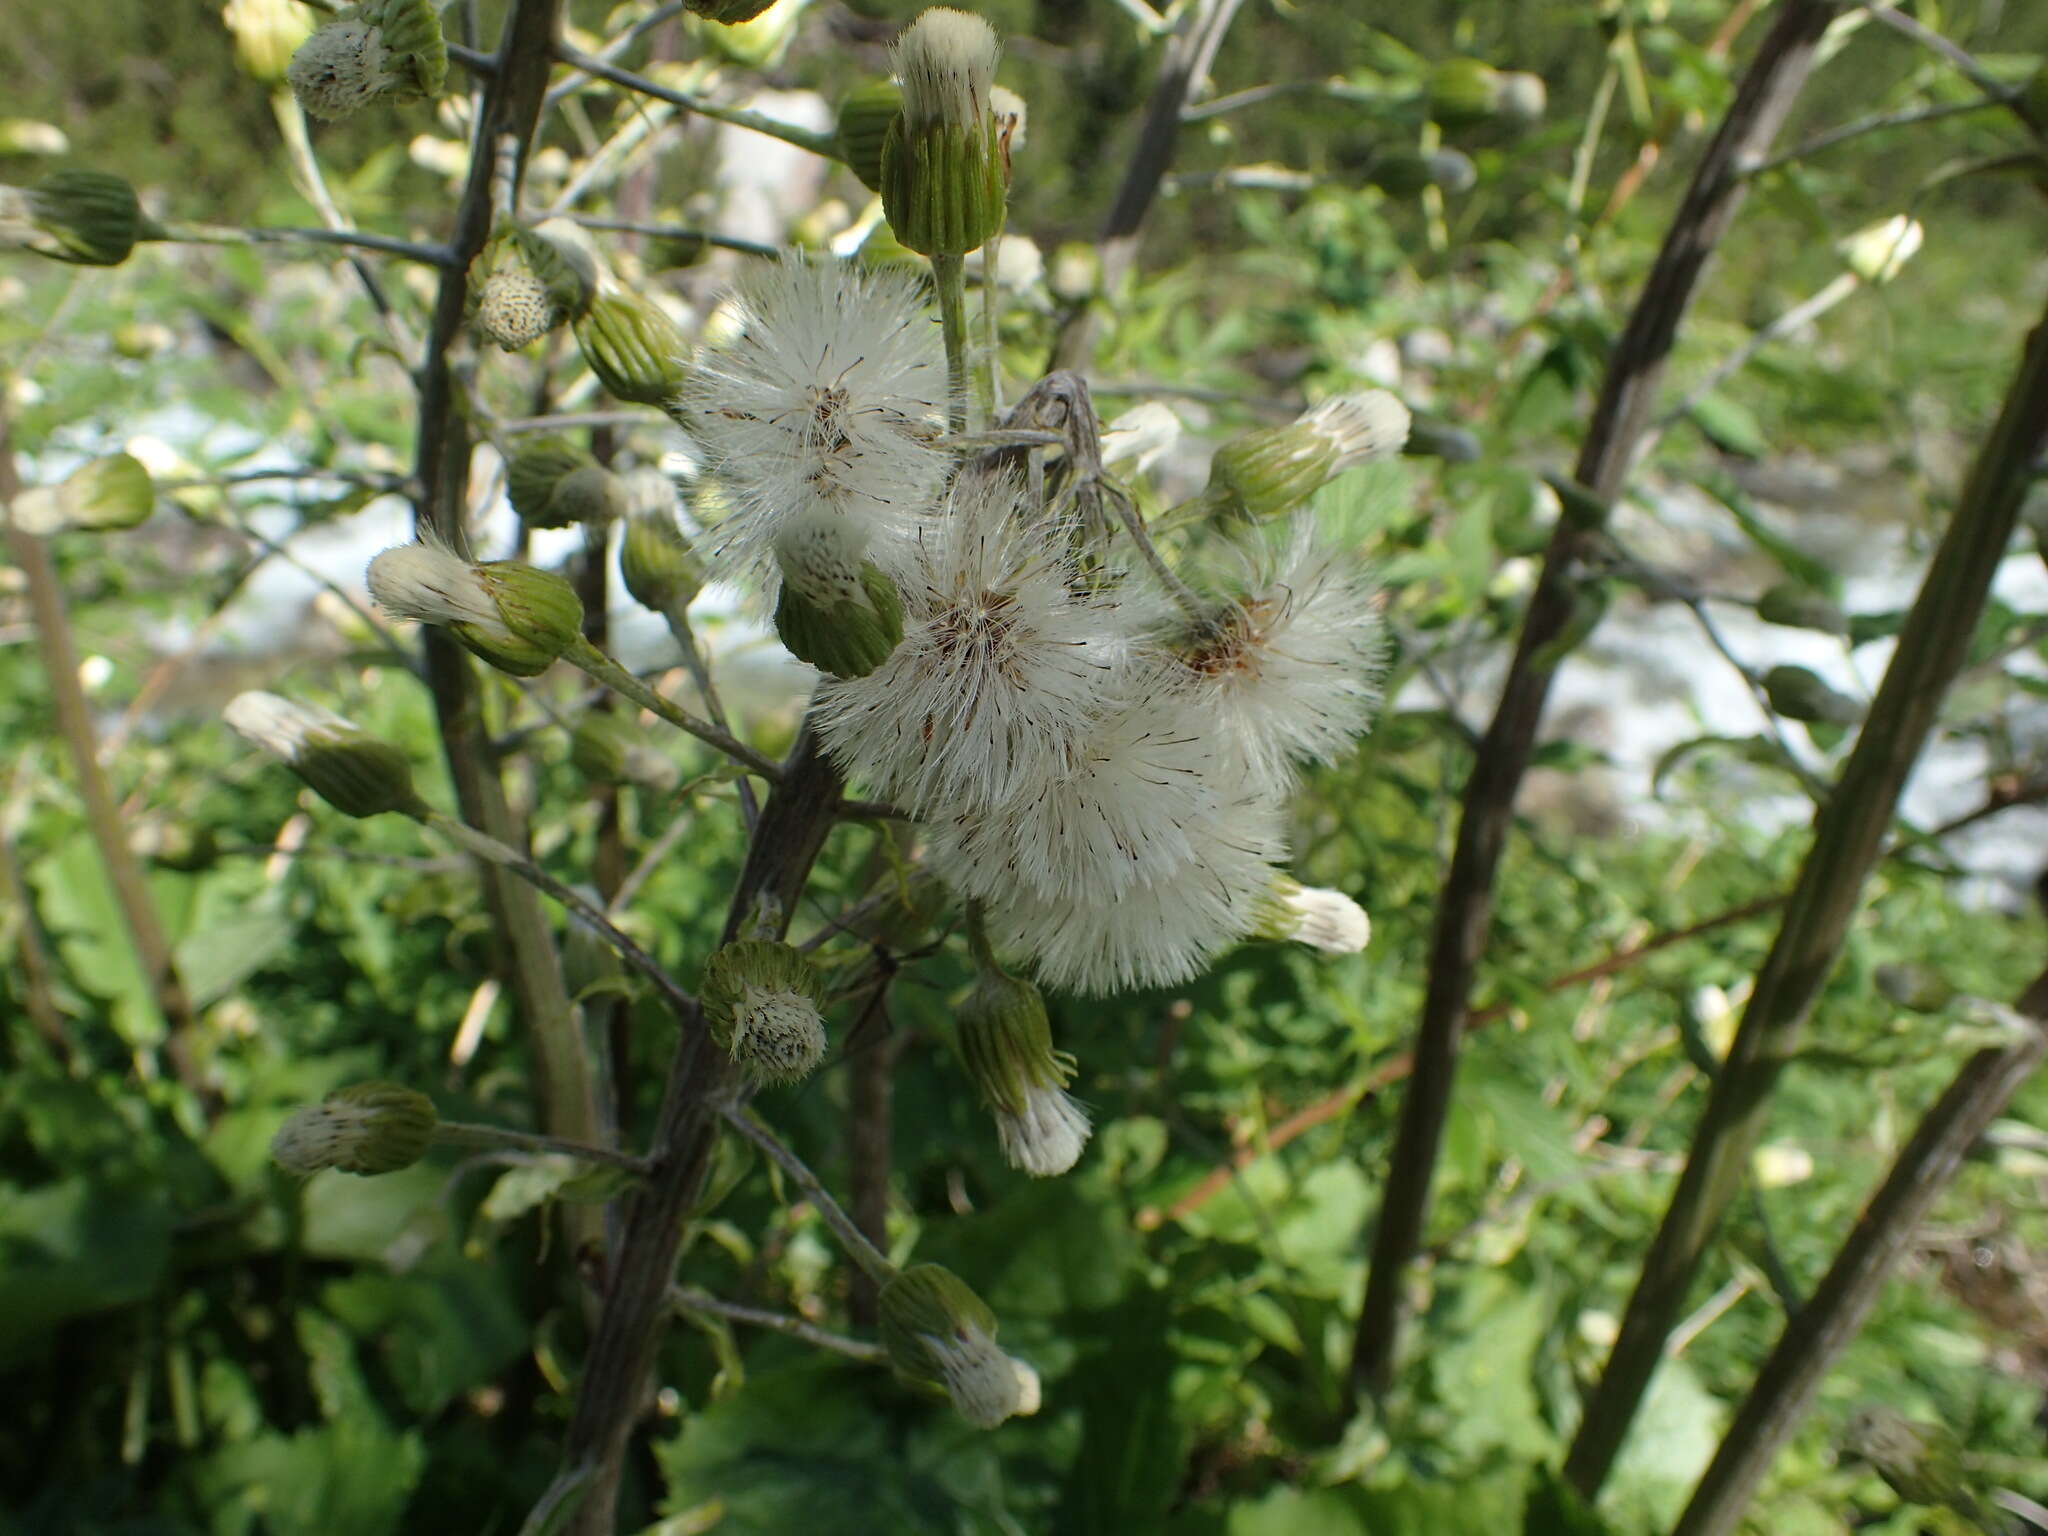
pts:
[949, 281]
[872, 1261]
[601, 667]
[687, 1299]
[457, 1133]
[1465, 911]
[1848, 835]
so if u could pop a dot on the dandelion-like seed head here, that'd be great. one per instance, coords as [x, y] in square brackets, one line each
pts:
[832, 391]
[946, 60]
[1005, 665]
[433, 586]
[280, 726]
[939, 1334]
[986, 1385]
[1366, 426]
[777, 1034]
[1288, 670]
[1318, 917]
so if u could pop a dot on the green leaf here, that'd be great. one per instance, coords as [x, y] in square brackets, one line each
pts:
[1131, 1456]
[440, 1332]
[73, 1248]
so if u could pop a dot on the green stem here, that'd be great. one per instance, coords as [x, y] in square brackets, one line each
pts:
[949, 278]
[824, 144]
[1847, 841]
[506, 857]
[872, 1261]
[690, 1300]
[456, 1133]
[598, 665]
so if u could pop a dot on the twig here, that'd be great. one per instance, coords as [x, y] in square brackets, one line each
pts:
[823, 144]
[1848, 833]
[1465, 912]
[219, 234]
[1819, 1332]
[507, 858]
[872, 1261]
[607, 671]
[1877, 123]
[689, 1299]
[1887, 14]
[456, 1133]
[675, 232]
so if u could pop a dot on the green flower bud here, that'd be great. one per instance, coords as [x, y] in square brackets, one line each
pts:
[1006, 1046]
[940, 1336]
[516, 618]
[607, 748]
[378, 48]
[761, 1002]
[101, 495]
[89, 218]
[1407, 173]
[363, 1128]
[945, 167]
[1307, 914]
[864, 118]
[633, 347]
[656, 564]
[351, 770]
[524, 283]
[1463, 91]
[1797, 606]
[1272, 470]
[1797, 693]
[1878, 252]
[727, 13]
[1914, 988]
[534, 472]
[846, 637]
[1923, 1463]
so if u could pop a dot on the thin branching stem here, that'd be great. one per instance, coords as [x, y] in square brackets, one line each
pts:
[457, 1133]
[604, 669]
[704, 1304]
[803, 138]
[872, 1261]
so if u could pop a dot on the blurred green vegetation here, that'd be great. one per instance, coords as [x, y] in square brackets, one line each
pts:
[193, 1343]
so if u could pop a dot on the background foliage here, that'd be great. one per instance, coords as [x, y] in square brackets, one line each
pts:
[191, 1342]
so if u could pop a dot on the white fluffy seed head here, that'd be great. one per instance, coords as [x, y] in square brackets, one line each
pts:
[1289, 669]
[1119, 818]
[1046, 1139]
[280, 726]
[986, 1385]
[777, 1035]
[1162, 932]
[1365, 426]
[1005, 666]
[432, 585]
[831, 389]
[946, 60]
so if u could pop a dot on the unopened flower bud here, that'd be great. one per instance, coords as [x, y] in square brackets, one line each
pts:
[607, 748]
[656, 563]
[848, 635]
[762, 1002]
[89, 218]
[533, 473]
[1323, 919]
[1274, 469]
[1006, 1044]
[513, 616]
[363, 1128]
[378, 48]
[727, 12]
[751, 33]
[1878, 252]
[1798, 693]
[945, 174]
[864, 118]
[351, 770]
[524, 283]
[1923, 1463]
[1408, 173]
[633, 347]
[99, 496]
[1798, 606]
[1465, 92]
[941, 1336]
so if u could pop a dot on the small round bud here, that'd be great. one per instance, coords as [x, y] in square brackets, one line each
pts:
[945, 169]
[761, 1002]
[656, 564]
[377, 48]
[1915, 988]
[512, 616]
[607, 748]
[364, 1128]
[864, 118]
[1323, 919]
[1406, 173]
[1797, 606]
[727, 13]
[848, 636]
[1462, 92]
[1878, 252]
[538, 607]
[1272, 470]
[1798, 693]
[523, 284]
[1923, 1463]
[99, 496]
[940, 1336]
[351, 770]
[1006, 1044]
[537, 482]
[89, 218]
[633, 347]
